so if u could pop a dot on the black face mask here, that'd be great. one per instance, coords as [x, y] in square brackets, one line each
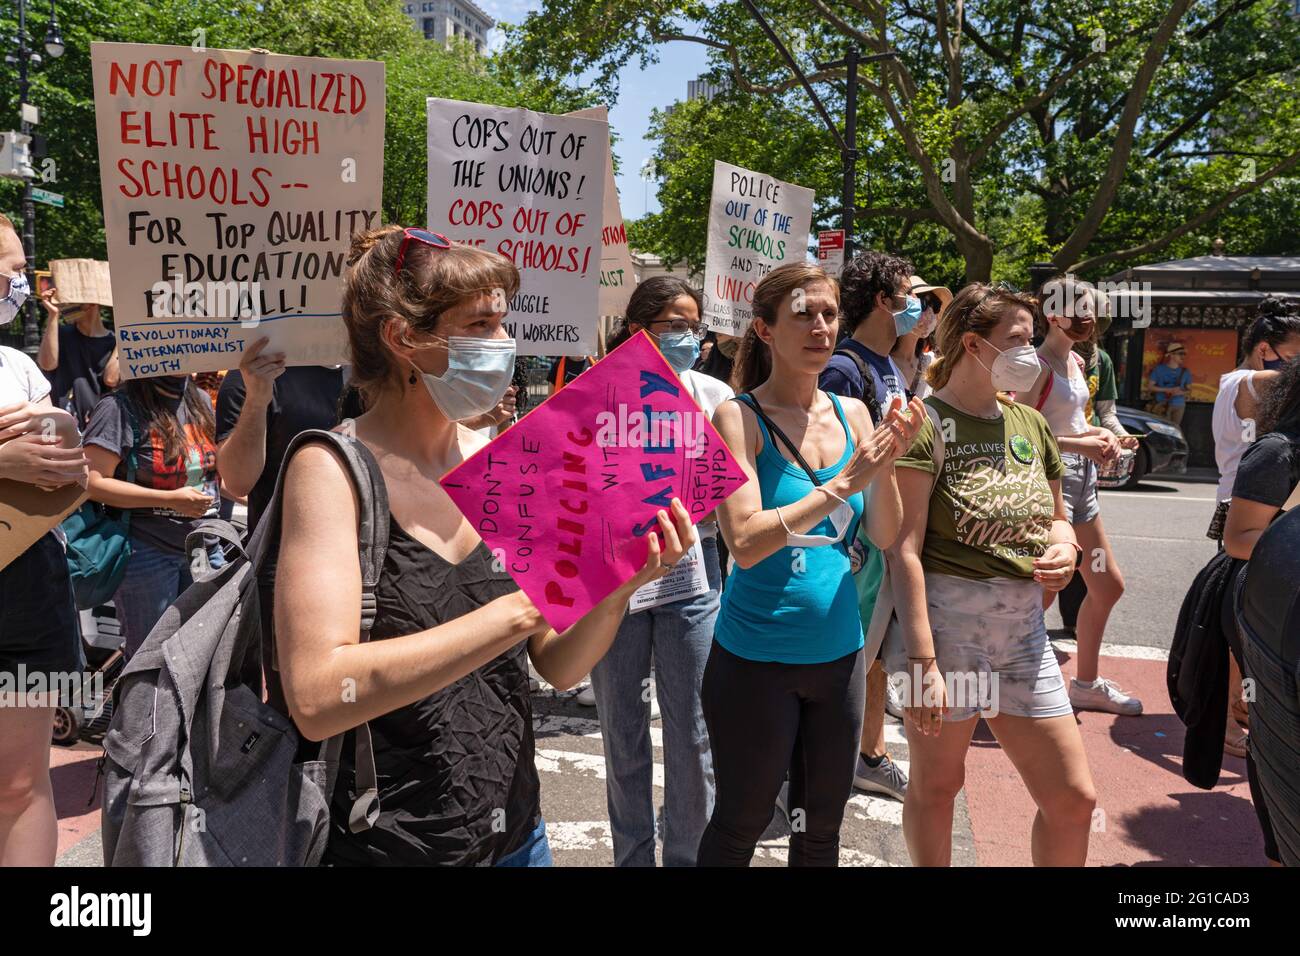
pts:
[171, 385]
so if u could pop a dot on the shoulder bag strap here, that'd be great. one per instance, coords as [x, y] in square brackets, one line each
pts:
[776, 432]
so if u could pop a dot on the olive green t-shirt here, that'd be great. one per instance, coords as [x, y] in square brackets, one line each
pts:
[991, 510]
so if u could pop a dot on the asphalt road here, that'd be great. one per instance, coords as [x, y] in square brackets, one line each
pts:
[1158, 535]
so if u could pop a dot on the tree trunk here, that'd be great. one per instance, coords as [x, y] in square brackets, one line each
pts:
[978, 254]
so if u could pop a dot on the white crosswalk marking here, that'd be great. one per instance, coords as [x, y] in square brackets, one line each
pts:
[595, 835]
[552, 724]
[879, 809]
[569, 750]
[562, 761]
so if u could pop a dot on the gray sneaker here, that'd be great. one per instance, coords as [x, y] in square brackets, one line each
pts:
[888, 778]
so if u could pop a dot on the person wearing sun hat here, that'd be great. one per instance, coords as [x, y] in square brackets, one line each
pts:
[914, 351]
[1169, 384]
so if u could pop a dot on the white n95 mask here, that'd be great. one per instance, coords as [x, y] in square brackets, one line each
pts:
[841, 518]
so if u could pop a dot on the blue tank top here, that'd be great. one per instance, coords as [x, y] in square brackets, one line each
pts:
[799, 605]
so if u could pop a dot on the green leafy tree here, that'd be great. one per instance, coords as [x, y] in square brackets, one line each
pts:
[1093, 133]
[355, 29]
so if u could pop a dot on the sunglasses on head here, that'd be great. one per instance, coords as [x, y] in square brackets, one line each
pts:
[435, 239]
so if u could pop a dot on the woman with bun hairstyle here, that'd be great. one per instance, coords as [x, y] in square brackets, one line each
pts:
[784, 686]
[984, 534]
[443, 679]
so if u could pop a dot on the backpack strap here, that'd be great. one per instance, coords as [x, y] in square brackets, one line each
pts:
[372, 546]
[868, 383]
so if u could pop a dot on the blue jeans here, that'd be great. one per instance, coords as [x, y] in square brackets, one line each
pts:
[154, 580]
[536, 851]
[678, 637]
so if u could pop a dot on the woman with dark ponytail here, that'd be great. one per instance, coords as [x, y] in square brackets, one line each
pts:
[1271, 342]
[676, 636]
[1267, 477]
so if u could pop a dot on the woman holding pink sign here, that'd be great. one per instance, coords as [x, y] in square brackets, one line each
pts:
[443, 679]
[784, 685]
[677, 634]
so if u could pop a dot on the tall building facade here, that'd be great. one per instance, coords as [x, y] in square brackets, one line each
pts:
[706, 89]
[441, 20]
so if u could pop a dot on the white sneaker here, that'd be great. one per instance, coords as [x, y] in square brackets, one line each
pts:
[1104, 696]
[587, 696]
[893, 703]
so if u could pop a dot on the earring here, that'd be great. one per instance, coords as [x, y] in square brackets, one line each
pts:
[412, 378]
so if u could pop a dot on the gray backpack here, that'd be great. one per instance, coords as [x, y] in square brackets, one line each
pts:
[199, 770]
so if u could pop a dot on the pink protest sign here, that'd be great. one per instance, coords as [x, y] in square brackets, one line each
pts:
[566, 496]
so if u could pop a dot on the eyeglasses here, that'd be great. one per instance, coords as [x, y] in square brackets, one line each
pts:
[697, 329]
[435, 239]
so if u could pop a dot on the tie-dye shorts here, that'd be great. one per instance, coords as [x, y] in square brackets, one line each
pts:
[991, 646]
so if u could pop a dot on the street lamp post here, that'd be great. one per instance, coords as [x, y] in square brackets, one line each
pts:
[848, 142]
[25, 57]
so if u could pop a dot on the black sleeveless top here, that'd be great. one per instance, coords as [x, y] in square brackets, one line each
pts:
[457, 781]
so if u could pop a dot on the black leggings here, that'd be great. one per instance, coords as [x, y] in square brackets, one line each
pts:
[765, 718]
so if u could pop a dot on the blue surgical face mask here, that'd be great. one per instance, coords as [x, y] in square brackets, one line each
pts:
[1274, 364]
[906, 320]
[680, 349]
[478, 373]
[19, 290]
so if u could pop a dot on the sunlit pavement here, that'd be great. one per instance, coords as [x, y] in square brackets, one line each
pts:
[1149, 814]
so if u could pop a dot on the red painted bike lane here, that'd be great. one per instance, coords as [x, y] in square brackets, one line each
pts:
[1152, 816]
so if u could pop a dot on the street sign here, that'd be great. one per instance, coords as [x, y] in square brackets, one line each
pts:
[830, 250]
[49, 198]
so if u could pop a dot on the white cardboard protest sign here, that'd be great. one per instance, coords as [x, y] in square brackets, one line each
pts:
[232, 184]
[531, 187]
[756, 223]
[81, 281]
[616, 278]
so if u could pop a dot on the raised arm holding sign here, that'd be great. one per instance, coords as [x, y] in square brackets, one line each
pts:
[232, 183]
[564, 497]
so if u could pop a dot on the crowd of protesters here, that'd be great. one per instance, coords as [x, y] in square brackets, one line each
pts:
[922, 483]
